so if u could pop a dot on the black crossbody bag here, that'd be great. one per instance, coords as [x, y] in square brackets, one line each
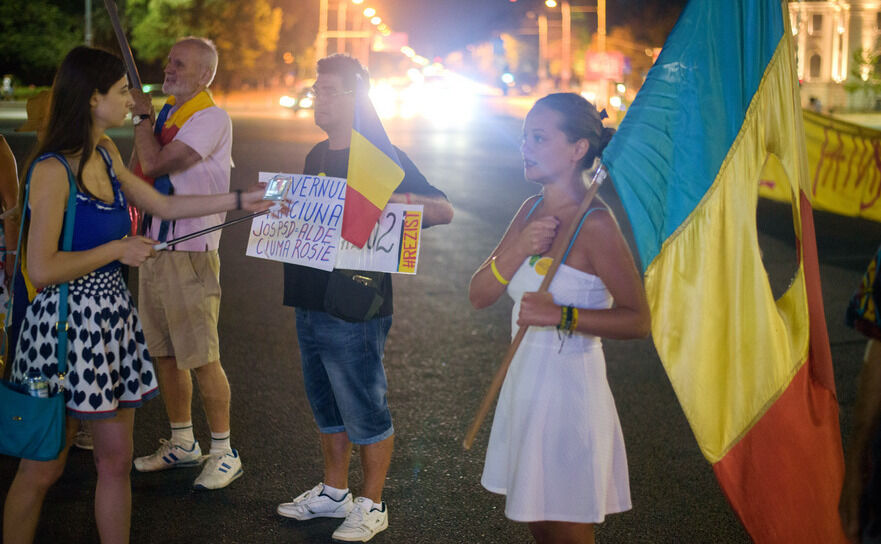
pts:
[353, 295]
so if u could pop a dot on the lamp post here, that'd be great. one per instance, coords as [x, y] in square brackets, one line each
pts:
[566, 57]
[542, 48]
[88, 29]
[321, 38]
[341, 25]
[566, 10]
[341, 34]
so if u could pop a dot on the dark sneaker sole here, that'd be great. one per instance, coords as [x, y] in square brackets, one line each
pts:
[342, 515]
[187, 464]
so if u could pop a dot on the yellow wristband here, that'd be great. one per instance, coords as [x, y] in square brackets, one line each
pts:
[501, 279]
[574, 323]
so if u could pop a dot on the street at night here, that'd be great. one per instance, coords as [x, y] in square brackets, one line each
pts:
[440, 357]
[729, 133]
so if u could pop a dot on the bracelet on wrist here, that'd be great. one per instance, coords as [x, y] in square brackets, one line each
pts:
[566, 313]
[238, 199]
[499, 277]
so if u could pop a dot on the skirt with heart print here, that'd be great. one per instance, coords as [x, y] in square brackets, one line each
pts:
[108, 366]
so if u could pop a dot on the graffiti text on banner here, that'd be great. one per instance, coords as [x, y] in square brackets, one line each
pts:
[393, 246]
[309, 234]
[843, 165]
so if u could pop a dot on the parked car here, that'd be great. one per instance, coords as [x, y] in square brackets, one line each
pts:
[298, 100]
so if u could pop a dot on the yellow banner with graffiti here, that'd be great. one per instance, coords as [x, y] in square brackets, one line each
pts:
[844, 162]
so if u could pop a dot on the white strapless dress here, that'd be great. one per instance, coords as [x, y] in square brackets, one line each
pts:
[556, 448]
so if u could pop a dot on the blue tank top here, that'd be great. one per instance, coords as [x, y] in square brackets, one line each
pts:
[97, 222]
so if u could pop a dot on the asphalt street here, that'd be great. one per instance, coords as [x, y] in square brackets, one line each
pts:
[440, 357]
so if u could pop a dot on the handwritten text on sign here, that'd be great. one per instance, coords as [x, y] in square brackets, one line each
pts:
[393, 246]
[309, 234]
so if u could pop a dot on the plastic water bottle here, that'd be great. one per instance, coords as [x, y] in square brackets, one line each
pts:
[37, 385]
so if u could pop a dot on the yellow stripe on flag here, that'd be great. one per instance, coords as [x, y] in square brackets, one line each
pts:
[712, 266]
[371, 172]
[201, 101]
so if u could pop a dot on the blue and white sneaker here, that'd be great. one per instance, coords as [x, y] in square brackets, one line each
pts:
[219, 471]
[169, 455]
[316, 504]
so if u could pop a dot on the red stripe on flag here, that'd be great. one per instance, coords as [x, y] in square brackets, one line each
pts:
[784, 477]
[821, 354]
[359, 217]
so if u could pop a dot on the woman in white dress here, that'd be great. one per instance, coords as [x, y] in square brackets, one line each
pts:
[556, 449]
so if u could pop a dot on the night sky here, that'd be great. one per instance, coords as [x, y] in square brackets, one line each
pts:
[436, 27]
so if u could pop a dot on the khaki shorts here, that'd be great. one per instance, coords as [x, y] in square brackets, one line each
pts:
[179, 304]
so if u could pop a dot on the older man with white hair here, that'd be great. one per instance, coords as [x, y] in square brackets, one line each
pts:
[186, 151]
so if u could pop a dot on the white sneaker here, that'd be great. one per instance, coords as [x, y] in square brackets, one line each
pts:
[219, 471]
[169, 455]
[362, 524]
[315, 504]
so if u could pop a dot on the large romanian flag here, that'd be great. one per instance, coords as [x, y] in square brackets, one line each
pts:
[374, 172]
[753, 374]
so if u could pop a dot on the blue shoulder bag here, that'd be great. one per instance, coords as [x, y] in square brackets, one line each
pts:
[33, 427]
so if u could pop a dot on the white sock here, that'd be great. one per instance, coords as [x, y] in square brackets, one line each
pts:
[220, 443]
[368, 503]
[335, 493]
[182, 434]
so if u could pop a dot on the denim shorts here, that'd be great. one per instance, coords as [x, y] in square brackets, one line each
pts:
[343, 374]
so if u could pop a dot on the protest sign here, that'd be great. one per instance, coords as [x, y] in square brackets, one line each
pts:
[393, 246]
[309, 234]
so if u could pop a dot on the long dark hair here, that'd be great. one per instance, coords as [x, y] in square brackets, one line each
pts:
[580, 120]
[69, 128]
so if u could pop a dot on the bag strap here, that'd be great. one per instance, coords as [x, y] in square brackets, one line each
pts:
[66, 245]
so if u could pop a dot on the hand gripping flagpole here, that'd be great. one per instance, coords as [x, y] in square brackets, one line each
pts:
[598, 178]
[131, 69]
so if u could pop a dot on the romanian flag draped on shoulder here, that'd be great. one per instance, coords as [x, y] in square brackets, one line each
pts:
[753, 374]
[167, 126]
[374, 171]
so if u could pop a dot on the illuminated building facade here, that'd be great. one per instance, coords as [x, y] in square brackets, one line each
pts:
[826, 35]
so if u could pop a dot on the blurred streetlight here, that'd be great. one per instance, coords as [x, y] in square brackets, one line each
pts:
[369, 12]
[357, 2]
[375, 21]
[551, 3]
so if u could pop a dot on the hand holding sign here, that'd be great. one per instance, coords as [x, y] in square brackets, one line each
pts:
[309, 233]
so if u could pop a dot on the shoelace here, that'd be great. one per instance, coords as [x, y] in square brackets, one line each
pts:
[306, 495]
[165, 446]
[357, 515]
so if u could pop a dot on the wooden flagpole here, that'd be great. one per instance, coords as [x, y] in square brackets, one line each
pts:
[496, 384]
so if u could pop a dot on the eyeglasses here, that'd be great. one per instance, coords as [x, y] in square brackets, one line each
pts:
[315, 93]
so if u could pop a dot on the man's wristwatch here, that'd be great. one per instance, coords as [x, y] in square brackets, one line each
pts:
[136, 119]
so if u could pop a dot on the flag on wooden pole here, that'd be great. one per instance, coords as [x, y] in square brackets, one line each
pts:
[753, 374]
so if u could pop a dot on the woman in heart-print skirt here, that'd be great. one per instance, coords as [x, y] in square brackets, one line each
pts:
[109, 372]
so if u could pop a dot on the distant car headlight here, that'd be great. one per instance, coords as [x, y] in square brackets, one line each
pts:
[305, 102]
[287, 101]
